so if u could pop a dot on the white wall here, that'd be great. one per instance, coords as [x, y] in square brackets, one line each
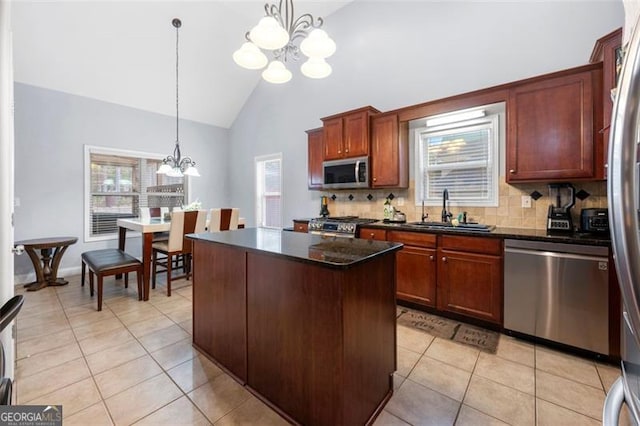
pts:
[51, 129]
[396, 54]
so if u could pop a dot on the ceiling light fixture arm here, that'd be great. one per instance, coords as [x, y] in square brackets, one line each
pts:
[298, 28]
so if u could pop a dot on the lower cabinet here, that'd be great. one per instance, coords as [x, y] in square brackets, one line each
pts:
[458, 274]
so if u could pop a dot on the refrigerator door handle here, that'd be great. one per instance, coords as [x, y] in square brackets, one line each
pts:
[613, 404]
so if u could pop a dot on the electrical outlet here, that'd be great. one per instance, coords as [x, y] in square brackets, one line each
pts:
[400, 201]
[526, 202]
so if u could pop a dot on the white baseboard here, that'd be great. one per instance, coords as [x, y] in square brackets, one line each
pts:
[30, 277]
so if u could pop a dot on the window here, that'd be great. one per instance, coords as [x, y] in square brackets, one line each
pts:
[269, 191]
[118, 183]
[460, 156]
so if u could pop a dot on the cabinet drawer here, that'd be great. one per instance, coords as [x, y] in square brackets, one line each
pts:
[471, 244]
[373, 234]
[418, 239]
[301, 227]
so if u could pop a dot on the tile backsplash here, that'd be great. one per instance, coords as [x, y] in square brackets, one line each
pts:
[508, 214]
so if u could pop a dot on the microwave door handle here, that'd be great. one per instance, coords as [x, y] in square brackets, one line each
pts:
[357, 171]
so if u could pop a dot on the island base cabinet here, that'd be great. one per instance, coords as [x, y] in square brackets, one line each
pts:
[470, 284]
[219, 306]
[321, 341]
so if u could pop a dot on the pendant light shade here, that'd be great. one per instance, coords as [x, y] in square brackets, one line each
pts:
[318, 44]
[276, 73]
[316, 68]
[250, 56]
[269, 34]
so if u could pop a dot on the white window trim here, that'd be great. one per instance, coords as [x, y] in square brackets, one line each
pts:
[494, 119]
[257, 159]
[94, 149]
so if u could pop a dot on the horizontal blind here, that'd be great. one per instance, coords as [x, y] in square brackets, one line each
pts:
[461, 160]
[122, 184]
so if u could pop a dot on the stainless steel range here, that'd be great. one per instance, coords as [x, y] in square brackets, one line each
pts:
[341, 226]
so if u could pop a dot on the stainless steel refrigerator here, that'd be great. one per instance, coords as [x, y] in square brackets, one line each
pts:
[624, 193]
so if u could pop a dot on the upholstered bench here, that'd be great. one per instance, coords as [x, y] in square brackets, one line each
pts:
[110, 262]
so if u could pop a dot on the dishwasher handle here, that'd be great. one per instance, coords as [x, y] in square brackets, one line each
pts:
[556, 254]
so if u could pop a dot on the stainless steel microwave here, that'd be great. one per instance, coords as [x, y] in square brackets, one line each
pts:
[346, 174]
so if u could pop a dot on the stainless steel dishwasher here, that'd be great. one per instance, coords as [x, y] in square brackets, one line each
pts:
[558, 292]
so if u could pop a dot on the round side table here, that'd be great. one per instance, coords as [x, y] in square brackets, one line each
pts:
[46, 266]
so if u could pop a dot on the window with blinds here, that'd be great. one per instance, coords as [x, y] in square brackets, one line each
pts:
[119, 183]
[461, 157]
[269, 191]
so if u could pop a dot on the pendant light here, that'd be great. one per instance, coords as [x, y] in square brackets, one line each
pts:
[175, 165]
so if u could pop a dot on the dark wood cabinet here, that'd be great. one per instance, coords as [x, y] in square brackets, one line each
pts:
[550, 126]
[299, 226]
[389, 152]
[415, 267]
[347, 135]
[315, 147]
[372, 234]
[608, 51]
[470, 277]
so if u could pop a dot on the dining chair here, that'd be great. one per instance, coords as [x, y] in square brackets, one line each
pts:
[182, 223]
[152, 212]
[224, 219]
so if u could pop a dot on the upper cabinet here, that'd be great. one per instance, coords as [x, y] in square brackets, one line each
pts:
[347, 135]
[607, 50]
[552, 126]
[389, 152]
[315, 148]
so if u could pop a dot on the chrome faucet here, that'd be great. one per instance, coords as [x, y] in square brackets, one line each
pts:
[445, 214]
[424, 216]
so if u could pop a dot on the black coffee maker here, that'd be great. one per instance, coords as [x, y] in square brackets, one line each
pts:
[562, 195]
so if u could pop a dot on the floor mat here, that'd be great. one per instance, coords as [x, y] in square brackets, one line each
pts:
[478, 337]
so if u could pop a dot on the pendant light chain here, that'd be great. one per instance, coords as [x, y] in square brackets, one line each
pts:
[177, 85]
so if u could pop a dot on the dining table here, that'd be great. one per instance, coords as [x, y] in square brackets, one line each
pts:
[147, 227]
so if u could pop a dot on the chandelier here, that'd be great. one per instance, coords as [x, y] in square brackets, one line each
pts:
[175, 165]
[279, 31]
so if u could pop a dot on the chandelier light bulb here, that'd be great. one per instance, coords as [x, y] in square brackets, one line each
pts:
[269, 34]
[250, 56]
[316, 68]
[164, 169]
[276, 73]
[318, 44]
[175, 172]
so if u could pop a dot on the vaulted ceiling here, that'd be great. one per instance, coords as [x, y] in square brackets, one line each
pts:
[124, 52]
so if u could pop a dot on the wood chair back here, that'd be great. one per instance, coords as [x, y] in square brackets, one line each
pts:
[224, 219]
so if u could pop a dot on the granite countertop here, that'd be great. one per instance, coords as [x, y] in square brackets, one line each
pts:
[328, 251]
[504, 233]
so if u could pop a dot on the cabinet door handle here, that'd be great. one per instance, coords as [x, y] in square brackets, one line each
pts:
[512, 171]
[339, 151]
[372, 235]
[374, 179]
[431, 258]
[444, 259]
[346, 150]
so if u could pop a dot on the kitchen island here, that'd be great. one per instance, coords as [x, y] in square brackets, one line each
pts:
[306, 323]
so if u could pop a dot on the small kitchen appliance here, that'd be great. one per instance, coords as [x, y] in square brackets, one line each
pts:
[594, 220]
[559, 215]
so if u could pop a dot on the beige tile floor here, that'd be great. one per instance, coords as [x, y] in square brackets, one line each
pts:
[133, 363]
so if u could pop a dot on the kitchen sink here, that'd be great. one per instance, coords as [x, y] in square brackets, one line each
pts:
[467, 227]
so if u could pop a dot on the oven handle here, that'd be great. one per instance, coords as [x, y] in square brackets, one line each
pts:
[357, 171]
